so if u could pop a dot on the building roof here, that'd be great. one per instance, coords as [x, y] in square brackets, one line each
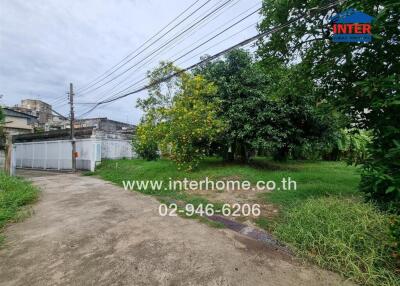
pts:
[93, 118]
[63, 134]
[104, 119]
[36, 101]
[12, 112]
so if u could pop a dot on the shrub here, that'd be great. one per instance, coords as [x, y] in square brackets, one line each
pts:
[348, 237]
[381, 175]
[395, 230]
[179, 118]
[14, 193]
[144, 144]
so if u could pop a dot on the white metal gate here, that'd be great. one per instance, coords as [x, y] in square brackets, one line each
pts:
[56, 155]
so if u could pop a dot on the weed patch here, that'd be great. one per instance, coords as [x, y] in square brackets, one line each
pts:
[14, 194]
[346, 236]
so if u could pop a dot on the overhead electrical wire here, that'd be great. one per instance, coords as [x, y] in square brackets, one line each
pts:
[215, 56]
[216, 44]
[142, 45]
[191, 26]
[200, 53]
[218, 34]
[59, 114]
[165, 45]
[139, 52]
[223, 25]
[196, 55]
[108, 91]
[58, 99]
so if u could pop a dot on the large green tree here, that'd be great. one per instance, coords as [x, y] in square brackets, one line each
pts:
[362, 79]
[263, 109]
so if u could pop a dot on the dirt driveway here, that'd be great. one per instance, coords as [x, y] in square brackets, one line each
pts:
[85, 231]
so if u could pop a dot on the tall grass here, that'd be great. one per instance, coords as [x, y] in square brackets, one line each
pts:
[349, 237]
[14, 193]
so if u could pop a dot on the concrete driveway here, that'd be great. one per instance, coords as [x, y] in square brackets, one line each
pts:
[85, 231]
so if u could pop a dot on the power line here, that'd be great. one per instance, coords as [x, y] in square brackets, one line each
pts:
[216, 44]
[187, 29]
[213, 37]
[220, 33]
[223, 25]
[59, 114]
[165, 45]
[210, 58]
[57, 99]
[161, 50]
[108, 73]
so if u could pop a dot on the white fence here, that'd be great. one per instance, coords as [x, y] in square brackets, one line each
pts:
[116, 149]
[56, 155]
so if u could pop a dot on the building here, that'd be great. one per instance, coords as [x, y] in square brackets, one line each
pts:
[44, 112]
[57, 123]
[17, 122]
[104, 124]
[38, 108]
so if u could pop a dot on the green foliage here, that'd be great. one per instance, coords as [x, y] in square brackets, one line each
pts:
[353, 144]
[240, 93]
[349, 237]
[38, 130]
[306, 124]
[381, 177]
[144, 143]
[180, 119]
[350, 145]
[14, 193]
[361, 79]
[266, 109]
[395, 231]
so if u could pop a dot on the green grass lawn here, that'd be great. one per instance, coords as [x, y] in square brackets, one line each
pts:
[325, 220]
[14, 194]
[314, 179]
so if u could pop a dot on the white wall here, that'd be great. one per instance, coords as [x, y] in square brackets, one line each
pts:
[57, 154]
[116, 149]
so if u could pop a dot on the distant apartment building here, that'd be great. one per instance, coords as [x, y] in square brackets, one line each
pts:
[38, 108]
[44, 113]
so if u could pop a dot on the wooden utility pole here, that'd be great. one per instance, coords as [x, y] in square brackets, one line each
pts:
[72, 119]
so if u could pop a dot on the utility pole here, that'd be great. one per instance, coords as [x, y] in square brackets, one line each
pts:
[72, 119]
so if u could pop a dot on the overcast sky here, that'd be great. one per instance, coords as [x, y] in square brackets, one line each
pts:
[45, 45]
